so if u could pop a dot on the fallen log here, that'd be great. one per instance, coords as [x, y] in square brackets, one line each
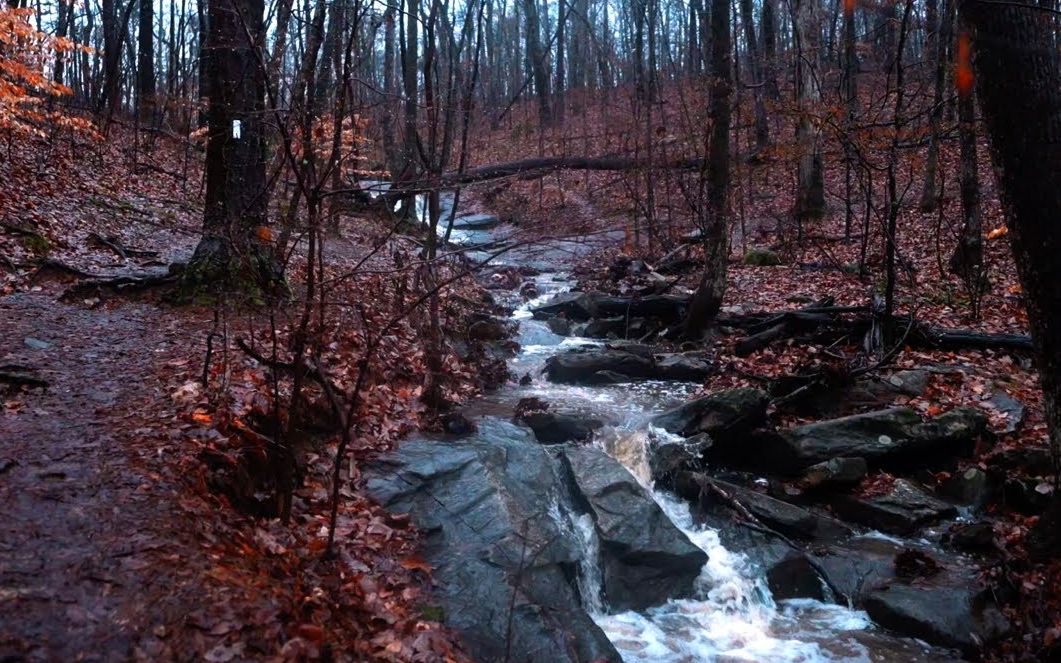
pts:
[545, 165]
[964, 339]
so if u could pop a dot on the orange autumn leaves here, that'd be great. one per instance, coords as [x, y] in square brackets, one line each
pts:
[24, 83]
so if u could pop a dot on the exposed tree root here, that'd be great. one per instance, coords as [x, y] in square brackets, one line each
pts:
[125, 284]
[14, 374]
[121, 251]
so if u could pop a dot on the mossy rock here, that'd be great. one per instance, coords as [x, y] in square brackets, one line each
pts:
[760, 257]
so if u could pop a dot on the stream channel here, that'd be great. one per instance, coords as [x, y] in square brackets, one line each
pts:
[568, 552]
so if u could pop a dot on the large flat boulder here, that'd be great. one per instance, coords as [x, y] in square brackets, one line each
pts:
[644, 557]
[940, 613]
[885, 438]
[560, 427]
[612, 365]
[583, 306]
[502, 563]
[476, 222]
[500, 515]
[570, 305]
[904, 509]
[723, 415]
[788, 519]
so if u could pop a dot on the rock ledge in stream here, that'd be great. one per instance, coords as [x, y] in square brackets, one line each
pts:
[498, 515]
[892, 438]
[646, 559]
[613, 365]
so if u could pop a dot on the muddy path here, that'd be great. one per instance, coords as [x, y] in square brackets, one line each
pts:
[95, 562]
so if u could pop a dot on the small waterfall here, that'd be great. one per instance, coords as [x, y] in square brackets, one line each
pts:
[732, 615]
[590, 580]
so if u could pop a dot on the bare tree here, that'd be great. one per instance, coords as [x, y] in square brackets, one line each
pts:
[714, 181]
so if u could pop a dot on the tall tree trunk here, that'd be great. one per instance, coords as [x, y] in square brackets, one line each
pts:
[62, 27]
[810, 191]
[967, 260]
[112, 44]
[1018, 78]
[942, 35]
[769, 29]
[276, 58]
[558, 87]
[391, 150]
[203, 61]
[410, 88]
[850, 90]
[536, 59]
[715, 181]
[145, 63]
[233, 245]
[762, 127]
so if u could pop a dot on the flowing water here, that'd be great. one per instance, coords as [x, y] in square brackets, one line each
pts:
[732, 615]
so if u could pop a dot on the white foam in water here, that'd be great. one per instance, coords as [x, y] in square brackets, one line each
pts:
[732, 615]
[590, 579]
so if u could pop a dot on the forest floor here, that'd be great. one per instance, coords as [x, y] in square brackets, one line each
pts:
[120, 540]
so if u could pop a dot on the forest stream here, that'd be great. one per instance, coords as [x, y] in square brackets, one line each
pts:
[568, 552]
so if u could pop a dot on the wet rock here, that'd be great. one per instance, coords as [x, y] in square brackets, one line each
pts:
[528, 290]
[618, 327]
[493, 546]
[971, 537]
[894, 437]
[665, 307]
[557, 428]
[596, 366]
[571, 305]
[456, 423]
[944, 614]
[972, 487]
[1036, 461]
[528, 405]
[857, 566]
[584, 306]
[488, 330]
[645, 558]
[560, 326]
[788, 519]
[504, 278]
[838, 472]
[866, 393]
[582, 366]
[795, 578]
[1030, 496]
[476, 222]
[669, 458]
[760, 257]
[902, 510]
[724, 415]
[1011, 408]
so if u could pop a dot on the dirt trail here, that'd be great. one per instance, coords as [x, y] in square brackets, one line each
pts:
[93, 565]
